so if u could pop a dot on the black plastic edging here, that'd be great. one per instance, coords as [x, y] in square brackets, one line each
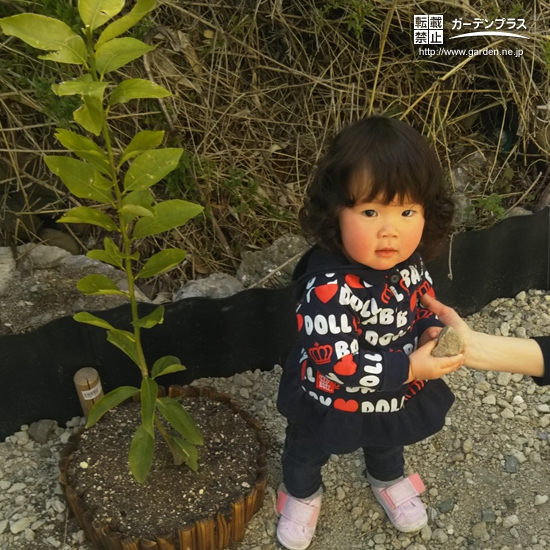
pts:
[254, 329]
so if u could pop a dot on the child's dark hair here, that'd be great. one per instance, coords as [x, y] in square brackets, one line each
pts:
[398, 163]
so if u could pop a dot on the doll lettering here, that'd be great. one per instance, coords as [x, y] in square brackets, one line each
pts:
[325, 400]
[376, 369]
[334, 329]
[314, 395]
[398, 335]
[371, 337]
[402, 319]
[386, 316]
[342, 348]
[375, 357]
[346, 328]
[356, 303]
[369, 381]
[382, 406]
[347, 298]
[345, 295]
[310, 375]
[320, 324]
[367, 407]
[386, 339]
[427, 276]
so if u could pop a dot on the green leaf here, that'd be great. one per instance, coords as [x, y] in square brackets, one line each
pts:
[102, 183]
[95, 13]
[84, 214]
[39, 31]
[80, 86]
[108, 401]
[90, 115]
[162, 262]
[168, 214]
[125, 342]
[187, 451]
[180, 419]
[103, 256]
[149, 392]
[74, 51]
[110, 255]
[140, 458]
[79, 178]
[85, 148]
[136, 88]
[156, 317]
[135, 198]
[137, 210]
[141, 142]
[118, 52]
[95, 285]
[121, 25]
[88, 318]
[166, 365]
[150, 167]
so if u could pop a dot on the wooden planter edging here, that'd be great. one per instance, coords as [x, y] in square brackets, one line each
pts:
[213, 533]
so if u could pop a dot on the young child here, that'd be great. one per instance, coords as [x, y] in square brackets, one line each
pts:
[356, 378]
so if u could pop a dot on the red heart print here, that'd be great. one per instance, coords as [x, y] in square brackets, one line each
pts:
[326, 292]
[348, 406]
[300, 320]
[346, 366]
[353, 281]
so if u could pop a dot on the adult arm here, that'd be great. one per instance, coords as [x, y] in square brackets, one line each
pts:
[499, 353]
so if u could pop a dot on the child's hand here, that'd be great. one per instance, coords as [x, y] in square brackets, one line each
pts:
[423, 366]
[429, 334]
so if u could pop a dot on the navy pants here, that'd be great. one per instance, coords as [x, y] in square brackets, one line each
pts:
[303, 459]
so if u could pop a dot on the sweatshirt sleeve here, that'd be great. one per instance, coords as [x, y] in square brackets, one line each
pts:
[331, 335]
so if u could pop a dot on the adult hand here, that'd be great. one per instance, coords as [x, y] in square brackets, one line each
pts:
[424, 366]
[448, 316]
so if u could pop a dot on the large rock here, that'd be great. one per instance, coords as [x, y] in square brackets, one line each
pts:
[217, 285]
[39, 285]
[257, 265]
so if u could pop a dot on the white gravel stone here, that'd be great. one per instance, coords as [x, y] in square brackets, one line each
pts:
[20, 525]
[541, 499]
[507, 413]
[510, 521]
[503, 378]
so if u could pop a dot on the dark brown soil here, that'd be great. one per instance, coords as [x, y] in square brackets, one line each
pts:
[172, 496]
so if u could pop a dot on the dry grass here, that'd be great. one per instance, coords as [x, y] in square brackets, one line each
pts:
[261, 86]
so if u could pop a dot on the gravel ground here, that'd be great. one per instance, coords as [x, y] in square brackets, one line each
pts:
[486, 473]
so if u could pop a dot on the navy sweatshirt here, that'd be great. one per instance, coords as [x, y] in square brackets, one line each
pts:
[345, 377]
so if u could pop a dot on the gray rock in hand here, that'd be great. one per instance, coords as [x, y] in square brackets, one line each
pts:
[449, 343]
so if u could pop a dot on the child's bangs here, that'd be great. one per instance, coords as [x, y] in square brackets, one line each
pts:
[385, 185]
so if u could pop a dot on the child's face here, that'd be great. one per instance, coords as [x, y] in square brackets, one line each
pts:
[381, 235]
